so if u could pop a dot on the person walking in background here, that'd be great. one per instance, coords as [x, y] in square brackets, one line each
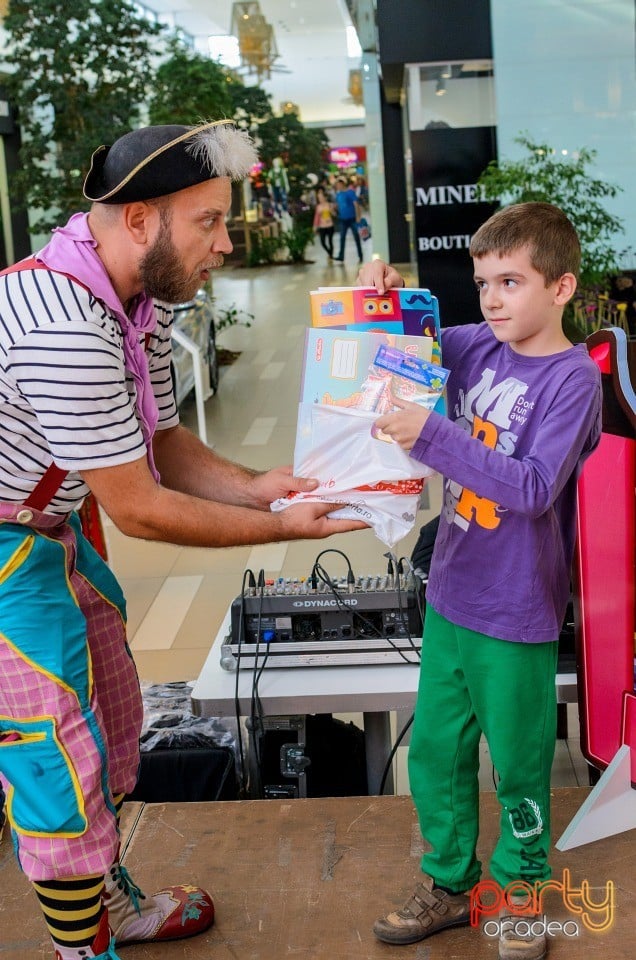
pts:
[348, 216]
[323, 222]
[524, 413]
[359, 184]
[329, 186]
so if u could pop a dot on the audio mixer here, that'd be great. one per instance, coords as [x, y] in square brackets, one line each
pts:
[300, 623]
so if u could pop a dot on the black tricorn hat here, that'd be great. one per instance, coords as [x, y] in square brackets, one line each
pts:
[154, 161]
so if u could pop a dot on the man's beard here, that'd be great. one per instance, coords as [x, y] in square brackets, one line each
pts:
[162, 272]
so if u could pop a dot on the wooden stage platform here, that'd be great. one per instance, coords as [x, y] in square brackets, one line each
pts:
[304, 879]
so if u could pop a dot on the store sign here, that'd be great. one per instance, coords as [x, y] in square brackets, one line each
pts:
[449, 206]
[347, 156]
[440, 196]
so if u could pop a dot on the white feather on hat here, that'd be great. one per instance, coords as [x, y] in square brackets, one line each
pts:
[224, 150]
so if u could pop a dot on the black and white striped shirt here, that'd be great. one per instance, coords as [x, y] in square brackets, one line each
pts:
[64, 391]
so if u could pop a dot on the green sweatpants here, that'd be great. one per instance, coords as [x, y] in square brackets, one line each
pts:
[472, 683]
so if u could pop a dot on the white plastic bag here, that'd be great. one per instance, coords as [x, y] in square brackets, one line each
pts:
[374, 477]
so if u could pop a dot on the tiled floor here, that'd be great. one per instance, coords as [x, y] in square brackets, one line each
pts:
[178, 596]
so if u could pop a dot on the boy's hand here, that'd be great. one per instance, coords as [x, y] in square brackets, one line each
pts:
[380, 275]
[404, 425]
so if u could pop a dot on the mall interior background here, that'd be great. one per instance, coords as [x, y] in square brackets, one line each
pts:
[564, 72]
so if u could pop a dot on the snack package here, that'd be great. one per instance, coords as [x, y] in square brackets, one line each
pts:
[408, 377]
[405, 377]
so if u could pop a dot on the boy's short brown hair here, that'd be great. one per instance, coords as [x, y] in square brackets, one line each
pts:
[552, 241]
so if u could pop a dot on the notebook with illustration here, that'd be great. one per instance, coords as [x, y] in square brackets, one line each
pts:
[410, 311]
[406, 312]
[351, 368]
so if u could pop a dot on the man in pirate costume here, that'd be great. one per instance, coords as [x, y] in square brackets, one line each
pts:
[86, 404]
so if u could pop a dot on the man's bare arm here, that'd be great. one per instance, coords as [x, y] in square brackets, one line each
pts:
[141, 508]
[187, 465]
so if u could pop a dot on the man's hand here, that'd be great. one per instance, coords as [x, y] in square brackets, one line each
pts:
[378, 274]
[403, 425]
[309, 521]
[267, 487]
[139, 507]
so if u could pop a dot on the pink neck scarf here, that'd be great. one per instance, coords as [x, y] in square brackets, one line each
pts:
[72, 250]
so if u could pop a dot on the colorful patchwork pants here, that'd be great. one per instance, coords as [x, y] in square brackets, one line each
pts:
[70, 704]
[471, 683]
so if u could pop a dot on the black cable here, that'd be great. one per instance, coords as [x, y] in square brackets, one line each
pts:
[404, 613]
[394, 571]
[393, 752]
[261, 594]
[340, 553]
[319, 571]
[267, 649]
[340, 600]
[419, 585]
[249, 576]
[256, 709]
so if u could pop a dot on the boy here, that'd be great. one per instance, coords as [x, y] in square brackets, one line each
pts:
[524, 412]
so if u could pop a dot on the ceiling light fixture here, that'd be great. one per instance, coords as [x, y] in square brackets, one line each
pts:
[447, 72]
[440, 88]
[289, 108]
[256, 41]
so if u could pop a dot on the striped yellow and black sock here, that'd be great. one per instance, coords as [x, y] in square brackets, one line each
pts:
[118, 802]
[72, 909]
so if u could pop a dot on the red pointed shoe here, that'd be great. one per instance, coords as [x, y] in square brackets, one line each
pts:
[170, 914]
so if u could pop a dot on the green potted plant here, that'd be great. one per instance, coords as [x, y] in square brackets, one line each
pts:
[224, 318]
[297, 239]
[77, 75]
[543, 174]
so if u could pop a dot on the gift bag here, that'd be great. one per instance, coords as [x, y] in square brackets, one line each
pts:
[374, 479]
[364, 229]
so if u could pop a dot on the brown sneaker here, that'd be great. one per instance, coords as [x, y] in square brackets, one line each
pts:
[521, 936]
[428, 911]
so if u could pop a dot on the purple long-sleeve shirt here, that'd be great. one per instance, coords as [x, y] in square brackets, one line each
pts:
[510, 451]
